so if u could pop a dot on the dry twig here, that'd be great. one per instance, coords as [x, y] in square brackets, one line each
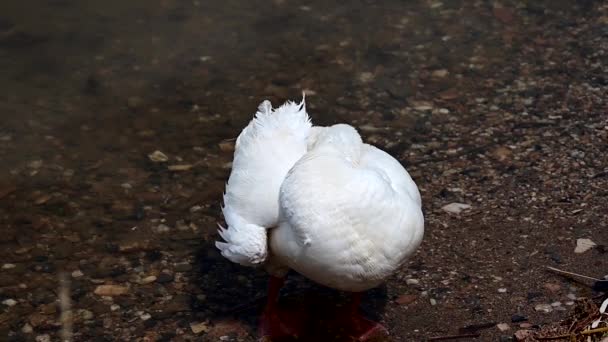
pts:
[65, 305]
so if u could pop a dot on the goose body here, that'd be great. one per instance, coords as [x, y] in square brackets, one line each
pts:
[318, 200]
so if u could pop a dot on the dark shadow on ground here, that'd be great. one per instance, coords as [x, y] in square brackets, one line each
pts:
[236, 292]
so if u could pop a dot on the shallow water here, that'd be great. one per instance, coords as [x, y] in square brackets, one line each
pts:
[476, 98]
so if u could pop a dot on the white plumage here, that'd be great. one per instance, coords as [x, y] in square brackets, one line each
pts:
[318, 200]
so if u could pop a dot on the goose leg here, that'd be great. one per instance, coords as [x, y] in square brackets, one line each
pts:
[361, 328]
[277, 323]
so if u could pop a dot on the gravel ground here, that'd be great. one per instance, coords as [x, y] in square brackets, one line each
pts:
[497, 107]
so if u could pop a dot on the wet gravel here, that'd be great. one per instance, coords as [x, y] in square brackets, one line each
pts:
[114, 150]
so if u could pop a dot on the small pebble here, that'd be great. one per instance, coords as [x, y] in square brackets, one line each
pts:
[145, 316]
[148, 280]
[405, 299]
[226, 146]
[180, 167]
[111, 290]
[77, 274]
[8, 266]
[196, 208]
[412, 281]
[114, 307]
[556, 304]
[583, 245]
[158, 157]
[87, 315]
[164, 277]
[546, 308]
[198, 328]
[455, 208]
[518, 318]
[43, 338]
[433, 301]
[503, 326]
[9, 302]
[502, 290]
[161, 228]
[440, 73]
[521, 335]
[571, 296]
[552, 287]
[366, 77]
[27, 329]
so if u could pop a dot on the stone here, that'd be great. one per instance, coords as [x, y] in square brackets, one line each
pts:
[158, 157]
[27, 329]
[43, 338]
[111, 290]
[406, 299]
[86, 314]
[523, 334]
[441, 73]
[503, 326]
[180, 167]
[583, 245]
[198, 328]
[148, 280]
[502, 154]
[225, 328]
[545, 308]
[226, 145]
[552, 287]
[161, 229]
[412, 281]
[518, 318]
[9, 302]
[455, 208]
[164, 278]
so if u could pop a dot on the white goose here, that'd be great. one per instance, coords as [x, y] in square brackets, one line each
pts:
[320, 201]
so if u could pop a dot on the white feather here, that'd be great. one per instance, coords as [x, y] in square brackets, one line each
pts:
[264, 152]
[350, 213]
